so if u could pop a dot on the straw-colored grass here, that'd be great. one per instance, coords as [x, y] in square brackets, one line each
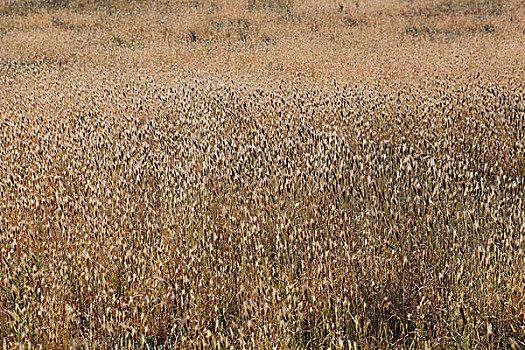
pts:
[262, 174]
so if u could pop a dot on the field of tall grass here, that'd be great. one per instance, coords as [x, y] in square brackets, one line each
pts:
[262, 174]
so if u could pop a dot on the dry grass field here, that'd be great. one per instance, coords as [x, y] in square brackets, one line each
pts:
[262, 174]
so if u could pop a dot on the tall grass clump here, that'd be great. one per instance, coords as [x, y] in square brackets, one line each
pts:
[202, 188]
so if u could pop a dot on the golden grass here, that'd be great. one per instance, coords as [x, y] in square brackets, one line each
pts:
[262, 174]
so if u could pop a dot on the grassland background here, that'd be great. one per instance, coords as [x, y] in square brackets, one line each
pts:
[262, 174]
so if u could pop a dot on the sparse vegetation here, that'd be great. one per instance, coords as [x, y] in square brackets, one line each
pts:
[350, 176]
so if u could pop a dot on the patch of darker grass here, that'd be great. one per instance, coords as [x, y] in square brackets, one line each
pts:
[283, 6]
[131, 42]
[26, 7]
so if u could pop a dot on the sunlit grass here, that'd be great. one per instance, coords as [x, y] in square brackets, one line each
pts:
[279, 179]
